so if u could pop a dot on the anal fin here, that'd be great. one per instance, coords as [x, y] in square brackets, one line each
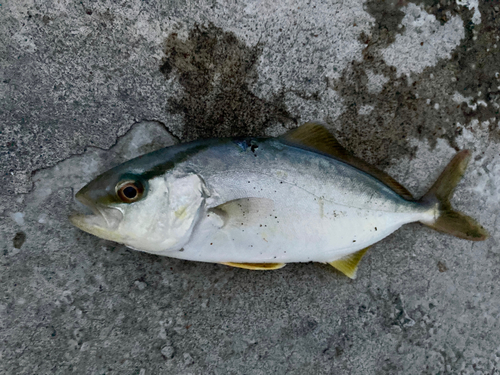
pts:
[256, 266]
[348, 265]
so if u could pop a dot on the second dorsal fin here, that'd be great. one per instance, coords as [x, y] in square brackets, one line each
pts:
[315, 136]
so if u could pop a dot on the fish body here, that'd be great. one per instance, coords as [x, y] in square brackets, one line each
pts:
[252, 201]
[288, 205]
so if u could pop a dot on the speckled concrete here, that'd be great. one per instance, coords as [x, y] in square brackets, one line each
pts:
[86, 85]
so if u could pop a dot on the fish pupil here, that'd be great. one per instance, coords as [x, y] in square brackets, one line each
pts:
[130, 192]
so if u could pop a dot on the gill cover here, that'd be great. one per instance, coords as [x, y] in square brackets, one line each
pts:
[186, 201]
[163, 221]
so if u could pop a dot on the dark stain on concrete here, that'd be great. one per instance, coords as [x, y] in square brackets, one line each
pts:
[216, 71]
[398, 114]
[442, 266]
[19, 239]
[406, 110]
[443, 10]
[383, 133]
[388, 16]
[481, 59]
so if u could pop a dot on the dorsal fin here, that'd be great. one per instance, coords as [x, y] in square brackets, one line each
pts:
[315, 136]
[256, 266]
[348, 265]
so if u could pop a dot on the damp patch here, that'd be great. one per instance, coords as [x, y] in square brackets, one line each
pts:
[216, 71]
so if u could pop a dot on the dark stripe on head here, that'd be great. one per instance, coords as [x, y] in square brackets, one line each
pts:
[179, 157]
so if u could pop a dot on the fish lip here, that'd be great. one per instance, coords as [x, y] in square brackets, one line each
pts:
[84, 221]
[87, 222]
[104, 221]
[80, 196]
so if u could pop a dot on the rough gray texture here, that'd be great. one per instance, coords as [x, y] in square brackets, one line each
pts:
[86, 85]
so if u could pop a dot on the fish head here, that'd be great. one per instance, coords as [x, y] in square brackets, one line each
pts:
[155, 215]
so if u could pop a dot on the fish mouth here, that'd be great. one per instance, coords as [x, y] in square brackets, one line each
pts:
[87, 223]
[101, 222]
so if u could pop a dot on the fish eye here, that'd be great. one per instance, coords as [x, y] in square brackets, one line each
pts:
[129, 191]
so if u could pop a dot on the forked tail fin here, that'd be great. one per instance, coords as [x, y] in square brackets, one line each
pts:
[448, 220]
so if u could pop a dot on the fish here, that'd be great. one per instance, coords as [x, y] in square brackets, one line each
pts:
[261, 203]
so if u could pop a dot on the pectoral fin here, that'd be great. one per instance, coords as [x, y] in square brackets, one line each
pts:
[257, 266]
[348, 265]
[245, 211]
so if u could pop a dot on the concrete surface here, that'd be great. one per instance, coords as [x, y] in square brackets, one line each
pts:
[87, 84]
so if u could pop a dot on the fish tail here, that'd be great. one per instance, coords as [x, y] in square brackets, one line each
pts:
[448, 220]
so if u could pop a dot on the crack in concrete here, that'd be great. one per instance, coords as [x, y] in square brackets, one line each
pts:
[89, 147]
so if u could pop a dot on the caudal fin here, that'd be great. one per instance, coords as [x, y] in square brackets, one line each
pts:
[448, 220]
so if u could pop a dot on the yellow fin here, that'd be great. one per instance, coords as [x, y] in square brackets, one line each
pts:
[256, 266]
[451, 221]
[348, 265]
[315, 136]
